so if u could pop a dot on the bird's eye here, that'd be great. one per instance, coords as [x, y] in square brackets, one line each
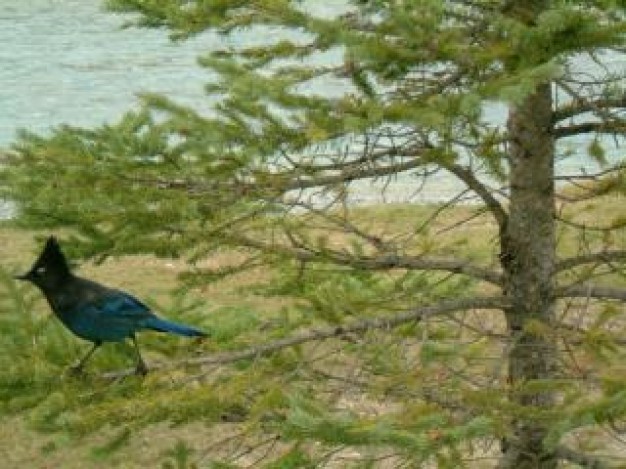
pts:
[40, 270]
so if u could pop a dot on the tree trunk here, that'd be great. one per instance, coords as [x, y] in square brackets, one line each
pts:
[528, 257]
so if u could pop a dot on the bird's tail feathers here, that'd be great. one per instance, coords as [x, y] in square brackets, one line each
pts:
[163, 325]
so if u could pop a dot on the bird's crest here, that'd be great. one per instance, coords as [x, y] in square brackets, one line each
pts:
[51, 261]
[51, 256]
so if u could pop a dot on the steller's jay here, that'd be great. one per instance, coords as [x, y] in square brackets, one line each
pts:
[92, 311]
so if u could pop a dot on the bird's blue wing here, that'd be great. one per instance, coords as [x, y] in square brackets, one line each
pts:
[110, 317]
[122, 305]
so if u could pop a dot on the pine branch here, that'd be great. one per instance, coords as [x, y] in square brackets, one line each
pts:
[589, 290]
[597, 176]
[587, 227]
[617, 127]
[367, 156]
[381, 262]
[610, 122]
[469, 178]
[597, 184]
[351, 174]
[289, 180]
[603, 257]
[355, 327]
[582, 106]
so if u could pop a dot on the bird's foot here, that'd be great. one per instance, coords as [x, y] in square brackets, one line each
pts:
[76, 371]
[141, 369]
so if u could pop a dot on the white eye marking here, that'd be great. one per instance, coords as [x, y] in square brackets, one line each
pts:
[40, 270]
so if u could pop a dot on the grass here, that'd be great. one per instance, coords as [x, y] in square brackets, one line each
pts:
[53, 432]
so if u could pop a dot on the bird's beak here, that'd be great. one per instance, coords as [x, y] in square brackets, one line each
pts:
[25, 276]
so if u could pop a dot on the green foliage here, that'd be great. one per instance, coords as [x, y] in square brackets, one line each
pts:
[120, 439]
[596, 151]
[296, 458]
[180, 456]
[229, 323]
[422, 438]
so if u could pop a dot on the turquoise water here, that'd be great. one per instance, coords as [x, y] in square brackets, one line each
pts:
[68, 61]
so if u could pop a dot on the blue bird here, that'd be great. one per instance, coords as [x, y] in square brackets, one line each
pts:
[92, 311]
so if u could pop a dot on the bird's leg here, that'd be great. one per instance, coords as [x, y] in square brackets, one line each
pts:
[78, 368]
[141, 368]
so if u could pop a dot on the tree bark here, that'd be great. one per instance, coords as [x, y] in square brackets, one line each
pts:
[528, 260]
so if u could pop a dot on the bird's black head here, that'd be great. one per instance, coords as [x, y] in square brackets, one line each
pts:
[50, 269]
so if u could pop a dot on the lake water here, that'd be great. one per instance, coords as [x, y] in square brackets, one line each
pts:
[68, 61]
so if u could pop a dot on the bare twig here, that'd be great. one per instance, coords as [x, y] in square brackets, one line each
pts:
[468, 177]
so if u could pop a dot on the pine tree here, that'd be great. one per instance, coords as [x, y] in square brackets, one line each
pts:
[405, 316]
